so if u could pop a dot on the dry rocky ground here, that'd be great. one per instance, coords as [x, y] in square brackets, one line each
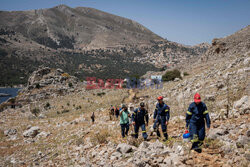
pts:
[57, 130]
[53, 126]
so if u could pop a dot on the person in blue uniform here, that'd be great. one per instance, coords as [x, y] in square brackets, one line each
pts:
[161, 117]
[139, 117]
[195, 120]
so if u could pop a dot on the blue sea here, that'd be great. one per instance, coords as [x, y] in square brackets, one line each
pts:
[12, 91]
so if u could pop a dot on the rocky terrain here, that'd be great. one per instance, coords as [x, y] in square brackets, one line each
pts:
[53, 127]
[83, 42]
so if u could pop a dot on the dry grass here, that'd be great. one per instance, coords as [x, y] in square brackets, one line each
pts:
[212, 144]
[1, 134]
[101, 137]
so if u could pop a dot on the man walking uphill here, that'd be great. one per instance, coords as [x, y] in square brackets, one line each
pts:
[161, 116]
[138, 120]
[124, 120]
[197, 112]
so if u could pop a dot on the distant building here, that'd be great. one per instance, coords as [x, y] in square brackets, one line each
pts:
[156, 77]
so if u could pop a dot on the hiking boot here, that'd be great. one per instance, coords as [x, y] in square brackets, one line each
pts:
[164, 140]
[198, 150]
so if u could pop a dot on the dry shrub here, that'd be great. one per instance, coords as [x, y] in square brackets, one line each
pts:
[101, 137]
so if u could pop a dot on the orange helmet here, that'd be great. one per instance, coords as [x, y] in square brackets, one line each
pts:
[160, 98]
[197, 98]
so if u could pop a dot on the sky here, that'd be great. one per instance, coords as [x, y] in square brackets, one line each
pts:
[188, 22]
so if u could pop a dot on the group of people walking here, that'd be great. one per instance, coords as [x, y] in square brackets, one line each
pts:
[196, 116]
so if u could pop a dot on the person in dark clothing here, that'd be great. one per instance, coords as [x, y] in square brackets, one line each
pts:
[93, 117]
[138, 120]
[112, 112]
[161, 117]
[195, 120]
[117, 112]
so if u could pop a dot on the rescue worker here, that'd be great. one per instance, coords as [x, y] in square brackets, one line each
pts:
[138, 120]
[124, 120]
[161, 117]
[195, 119]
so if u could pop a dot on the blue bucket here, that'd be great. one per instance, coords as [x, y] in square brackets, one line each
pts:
[186, 135]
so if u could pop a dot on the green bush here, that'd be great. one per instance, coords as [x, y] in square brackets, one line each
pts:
[38, 86]
[185, 74]
[65, 111]
[78, 107]
[35, 111]
[47, 105]
[101, 94]
[12, 100]
[70, 85]
[171, 75]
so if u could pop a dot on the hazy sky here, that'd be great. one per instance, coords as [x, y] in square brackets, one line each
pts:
[185, 21]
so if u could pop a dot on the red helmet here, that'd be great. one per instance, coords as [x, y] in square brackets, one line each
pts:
[160, 98]
[197, 98]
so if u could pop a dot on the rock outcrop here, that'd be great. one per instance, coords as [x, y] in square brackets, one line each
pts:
[46, 82]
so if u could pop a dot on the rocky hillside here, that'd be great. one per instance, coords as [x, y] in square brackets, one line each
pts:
[237, 43]
[79, 28]
[83, 42]
[57, 131]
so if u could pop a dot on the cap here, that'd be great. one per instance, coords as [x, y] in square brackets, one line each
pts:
[142, 104]
[124, 106]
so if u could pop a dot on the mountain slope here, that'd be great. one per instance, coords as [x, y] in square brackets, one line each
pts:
[237, 43]
[84, 42]
[81, 27]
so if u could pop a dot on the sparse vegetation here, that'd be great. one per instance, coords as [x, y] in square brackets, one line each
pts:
[185, 74]
[64, 111]
[101, 137]
[70, 85]
[38, 86]
[35, 111]
[213, 144]
[101, 94]
[171, 75]
[79, 107]
[47, 105]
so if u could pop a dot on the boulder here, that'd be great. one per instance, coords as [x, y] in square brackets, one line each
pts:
[216, 133]
[10, 132]
[209, 98]
[156, 145]
[43, 134]
[243, 140]
[178, 148]
[124, 148]
[248, 133]
[238, 104]
[143, 145]
[31, 132]
[242, 105]
[115, 156]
